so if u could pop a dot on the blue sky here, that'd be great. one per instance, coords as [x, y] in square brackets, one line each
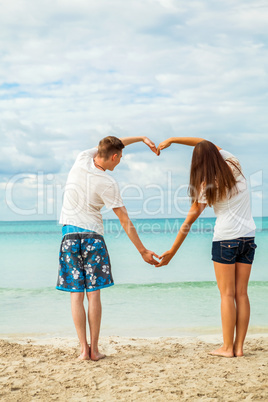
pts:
[73, 72]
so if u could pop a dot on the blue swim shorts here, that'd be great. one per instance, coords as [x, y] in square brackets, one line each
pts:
[84, 263]
[241, 249]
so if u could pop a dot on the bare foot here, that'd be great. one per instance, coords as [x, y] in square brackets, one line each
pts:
[238, 350]
[222, 352]
[239, 353]
[85, 355]
[97, 356]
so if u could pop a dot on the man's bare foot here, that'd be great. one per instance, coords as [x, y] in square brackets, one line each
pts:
[84, 357]
[85, 354]
[97, 356]
[222, 352]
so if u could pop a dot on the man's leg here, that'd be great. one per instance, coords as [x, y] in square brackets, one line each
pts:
[79, 318]
[242, 274]
[225, 275]
[94, 319]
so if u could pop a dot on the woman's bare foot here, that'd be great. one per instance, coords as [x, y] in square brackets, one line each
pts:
[238, 353]
[238, 350]
[222, 352]
[97, 356]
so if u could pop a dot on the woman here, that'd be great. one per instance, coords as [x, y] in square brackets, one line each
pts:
[216, 179]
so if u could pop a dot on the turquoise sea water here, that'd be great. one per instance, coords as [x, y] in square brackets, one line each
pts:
[180, 299]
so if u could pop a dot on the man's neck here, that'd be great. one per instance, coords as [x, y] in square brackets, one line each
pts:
[99, 163]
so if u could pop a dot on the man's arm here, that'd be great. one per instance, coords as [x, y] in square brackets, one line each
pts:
[194, 212]
[131, 140]
[190, 141]
[130, 230]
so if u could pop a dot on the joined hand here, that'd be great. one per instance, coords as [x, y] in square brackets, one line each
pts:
[163, 145]
[151, 145]
[148, 256]
[165, 258]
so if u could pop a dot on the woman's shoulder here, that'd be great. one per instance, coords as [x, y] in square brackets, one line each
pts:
[226, 154]
[233, 162]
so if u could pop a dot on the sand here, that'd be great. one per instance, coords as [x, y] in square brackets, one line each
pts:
[136, 369]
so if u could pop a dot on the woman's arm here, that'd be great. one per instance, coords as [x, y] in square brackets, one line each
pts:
[131, 140]
[194, 212]
[191, 141]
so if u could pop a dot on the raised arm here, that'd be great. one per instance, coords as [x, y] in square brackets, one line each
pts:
[131, 140]
[194, 212]
[190, 141]
[130, 230]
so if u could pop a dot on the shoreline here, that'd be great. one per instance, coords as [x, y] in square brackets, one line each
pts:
[184, 333]
[135, 369]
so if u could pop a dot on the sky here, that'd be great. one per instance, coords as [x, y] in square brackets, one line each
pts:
[75, 71]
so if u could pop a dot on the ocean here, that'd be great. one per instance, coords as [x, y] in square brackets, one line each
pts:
[180, 299]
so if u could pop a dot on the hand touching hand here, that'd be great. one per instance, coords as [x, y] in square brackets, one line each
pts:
[163, 145]
[165, 258]
[151, 145]
[148, 256]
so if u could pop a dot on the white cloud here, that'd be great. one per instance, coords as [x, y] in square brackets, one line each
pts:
[75, 71]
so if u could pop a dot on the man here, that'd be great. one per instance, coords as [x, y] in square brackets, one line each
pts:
[84, 259]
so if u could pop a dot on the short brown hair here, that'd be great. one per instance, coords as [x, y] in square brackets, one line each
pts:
[109, 146]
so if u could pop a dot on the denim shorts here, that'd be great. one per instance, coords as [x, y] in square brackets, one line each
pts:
[84, 263]
[232, 251]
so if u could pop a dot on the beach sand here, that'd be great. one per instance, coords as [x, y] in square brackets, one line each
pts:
[135, 369]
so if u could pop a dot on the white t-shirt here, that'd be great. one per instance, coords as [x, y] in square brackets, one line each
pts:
[87, 190]
[234, 218]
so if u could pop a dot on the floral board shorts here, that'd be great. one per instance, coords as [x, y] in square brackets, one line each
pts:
[84, 263]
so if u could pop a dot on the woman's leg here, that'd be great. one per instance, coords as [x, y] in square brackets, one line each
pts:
[242, 273]
[225, 275]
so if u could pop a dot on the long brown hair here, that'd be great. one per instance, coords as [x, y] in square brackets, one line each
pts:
[211, 174]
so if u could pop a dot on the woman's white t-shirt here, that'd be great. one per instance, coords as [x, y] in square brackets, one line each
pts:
[87, 190]
[234, 218]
